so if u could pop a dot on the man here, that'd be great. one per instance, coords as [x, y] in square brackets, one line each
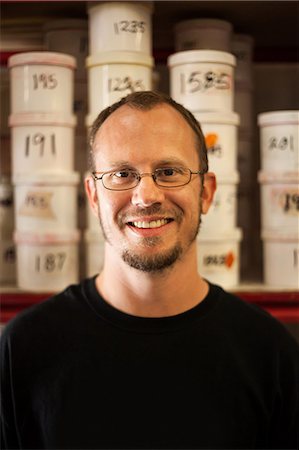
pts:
[148, 354]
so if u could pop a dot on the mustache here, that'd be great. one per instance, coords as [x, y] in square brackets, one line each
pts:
[175, 214]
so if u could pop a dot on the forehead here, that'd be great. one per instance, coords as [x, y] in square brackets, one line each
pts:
[137, 134]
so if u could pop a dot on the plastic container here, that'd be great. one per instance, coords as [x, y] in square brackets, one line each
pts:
[194, 34]
[223, 210]
[120, 26]
[69, 36]
[219, 257]
[46, 202]
[42, 82]
[6, 205]
[94, 251]
[203, 80]
[220, 131]
[113, 75]
[242, 48]
[279, 201]
[279, 140]
[42, 142]
[281, 259]
[46, 262]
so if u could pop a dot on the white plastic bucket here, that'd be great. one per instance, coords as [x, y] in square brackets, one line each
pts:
[120, 26]
[243, 105]
[223, 210]
[202, 80]
[46, 262]
[279, 140]
[6, 205]
[114, 75]
[46, 202]
[42, 82]
[94, 251]
[194, 34]
[69, 36]
[279, 201]
[242, 48]
[281, 259]
[219, 257]
[220, 131]
[42, 142]
[7, 261]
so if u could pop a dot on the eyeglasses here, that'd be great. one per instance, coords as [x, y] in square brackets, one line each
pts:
[125, 179]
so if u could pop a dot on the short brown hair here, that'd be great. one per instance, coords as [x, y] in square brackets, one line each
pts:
[146, 100]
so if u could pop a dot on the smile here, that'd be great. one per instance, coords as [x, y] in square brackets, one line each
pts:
[151, 224]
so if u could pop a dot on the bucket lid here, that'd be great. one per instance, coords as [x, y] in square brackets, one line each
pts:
[235, 234]
[57, 118]
[47, 179]
[94, 236]
[119, 58]
[203, 23]
[278, 177]
[278, 118]
[201, 56]
[28, 237]
[50, 58]
[66, 25]
[227, 118]
[270, 235]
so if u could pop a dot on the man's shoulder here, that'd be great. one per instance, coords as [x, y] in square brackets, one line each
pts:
[51, 313]
[250, 321]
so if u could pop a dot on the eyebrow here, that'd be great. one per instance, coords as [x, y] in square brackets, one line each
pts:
[172, 160]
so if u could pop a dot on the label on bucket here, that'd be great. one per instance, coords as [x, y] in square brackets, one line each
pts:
[50, 262]
[37, 204]
[213, 146]
[283, 143]
[44, 80]
[288, 200]
[199, 81]
[129, 26]
[224, 260]
[126, 83]
[40, 143]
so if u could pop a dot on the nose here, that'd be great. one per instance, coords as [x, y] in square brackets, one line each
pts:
[146, 193]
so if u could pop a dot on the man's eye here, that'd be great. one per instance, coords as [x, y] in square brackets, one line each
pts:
[121, 174]
[169, 172]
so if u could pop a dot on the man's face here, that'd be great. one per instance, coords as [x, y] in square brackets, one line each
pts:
[149, 227]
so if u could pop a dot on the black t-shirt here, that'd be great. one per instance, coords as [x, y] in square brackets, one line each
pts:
[77, 373]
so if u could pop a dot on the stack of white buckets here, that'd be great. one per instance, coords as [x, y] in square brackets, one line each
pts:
[70, 36]
[279, 185]
[45, 185]
[120, 62]
[203, 81]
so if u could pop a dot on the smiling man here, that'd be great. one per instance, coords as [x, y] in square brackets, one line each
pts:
[148, 354]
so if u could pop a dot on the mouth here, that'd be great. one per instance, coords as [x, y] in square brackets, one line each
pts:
[149, 224]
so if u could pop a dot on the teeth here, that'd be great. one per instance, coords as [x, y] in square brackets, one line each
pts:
[152, 224]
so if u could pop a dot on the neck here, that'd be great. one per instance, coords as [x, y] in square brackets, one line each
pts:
[175, 290]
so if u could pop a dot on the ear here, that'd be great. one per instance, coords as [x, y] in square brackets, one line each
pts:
[208, 191]
[92, 195]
